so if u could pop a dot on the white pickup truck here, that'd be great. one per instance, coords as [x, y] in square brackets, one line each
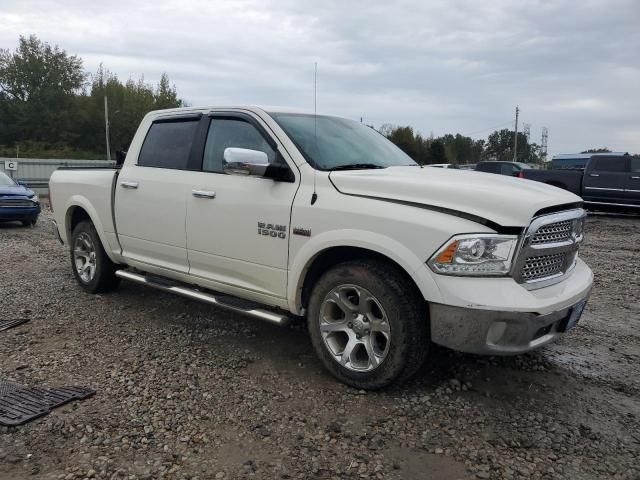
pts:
[278, 214]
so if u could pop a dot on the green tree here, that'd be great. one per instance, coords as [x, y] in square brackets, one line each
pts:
[437, 152]
[38, 84]
[500, 147]
[597, 150]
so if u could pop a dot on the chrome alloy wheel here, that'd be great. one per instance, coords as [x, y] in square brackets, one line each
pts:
[355, 328]
[84, 257]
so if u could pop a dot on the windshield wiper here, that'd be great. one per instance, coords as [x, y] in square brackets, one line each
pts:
[356, 166]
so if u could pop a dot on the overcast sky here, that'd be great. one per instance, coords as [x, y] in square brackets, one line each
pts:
[440, 66]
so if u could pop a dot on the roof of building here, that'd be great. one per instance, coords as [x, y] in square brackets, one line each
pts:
[569, 156]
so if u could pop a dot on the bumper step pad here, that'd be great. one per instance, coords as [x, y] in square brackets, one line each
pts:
[20, 404]
[7, 324]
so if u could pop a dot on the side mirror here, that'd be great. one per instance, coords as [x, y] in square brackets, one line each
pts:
[242, 161]
[23, 183]
[120, 156]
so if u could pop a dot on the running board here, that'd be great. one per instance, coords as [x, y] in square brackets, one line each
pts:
[203, 297]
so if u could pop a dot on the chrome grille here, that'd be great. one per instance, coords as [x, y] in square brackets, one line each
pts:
[552, 233]
[543, 266]
[15, 202]
[549, 248]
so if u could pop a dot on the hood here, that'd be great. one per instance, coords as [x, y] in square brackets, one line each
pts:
[505, 201]
[15, 191]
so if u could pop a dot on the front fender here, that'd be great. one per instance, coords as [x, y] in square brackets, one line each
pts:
[381, 244]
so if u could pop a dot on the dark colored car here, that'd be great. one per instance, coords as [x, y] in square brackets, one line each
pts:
[512, 169]
[612, 181]
[17, 201]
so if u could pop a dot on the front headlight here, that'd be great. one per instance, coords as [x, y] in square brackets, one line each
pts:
[475, 254]
[35, 199]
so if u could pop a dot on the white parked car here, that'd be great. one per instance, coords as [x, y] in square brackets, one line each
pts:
[323, 218]
[442, 165]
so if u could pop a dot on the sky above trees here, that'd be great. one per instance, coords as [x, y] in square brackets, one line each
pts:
[440, 66]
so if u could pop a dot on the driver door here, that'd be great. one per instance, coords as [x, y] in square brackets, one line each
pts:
[238, 223]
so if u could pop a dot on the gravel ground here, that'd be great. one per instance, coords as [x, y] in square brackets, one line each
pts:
[188, 391]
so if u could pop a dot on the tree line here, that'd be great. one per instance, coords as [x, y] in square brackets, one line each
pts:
[51, 108]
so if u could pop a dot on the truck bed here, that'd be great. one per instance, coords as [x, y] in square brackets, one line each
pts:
[90, 188]
[570, 180]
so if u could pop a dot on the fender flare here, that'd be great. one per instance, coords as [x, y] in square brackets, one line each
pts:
[380, 244]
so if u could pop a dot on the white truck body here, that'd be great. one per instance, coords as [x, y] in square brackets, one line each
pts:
[257, 238]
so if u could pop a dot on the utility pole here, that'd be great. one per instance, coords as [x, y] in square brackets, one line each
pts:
[106, 127]
[515, 138]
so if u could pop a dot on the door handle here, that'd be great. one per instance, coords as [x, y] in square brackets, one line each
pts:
[129, 184]
[594, 175]
[635, 178]
[203, 194]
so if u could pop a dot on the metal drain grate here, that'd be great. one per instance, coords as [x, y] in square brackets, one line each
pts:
[7, 324]
[19, 404]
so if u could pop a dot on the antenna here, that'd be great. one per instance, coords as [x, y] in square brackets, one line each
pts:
[314, 196]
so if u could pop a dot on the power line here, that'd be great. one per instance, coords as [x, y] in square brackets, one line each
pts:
[510, 122]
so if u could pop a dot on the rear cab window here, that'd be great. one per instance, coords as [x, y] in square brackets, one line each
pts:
[610, 164]
[168, 144]
[488, 167]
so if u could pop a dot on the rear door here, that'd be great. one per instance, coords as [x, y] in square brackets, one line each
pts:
[151, 195]
[633, 182]
[605, 179]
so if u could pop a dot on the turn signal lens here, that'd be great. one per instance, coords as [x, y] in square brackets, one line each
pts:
[447, 255]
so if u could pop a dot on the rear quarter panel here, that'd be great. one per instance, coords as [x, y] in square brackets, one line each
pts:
[89, 189]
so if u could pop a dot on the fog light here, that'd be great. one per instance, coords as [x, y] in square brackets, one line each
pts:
[495, 333]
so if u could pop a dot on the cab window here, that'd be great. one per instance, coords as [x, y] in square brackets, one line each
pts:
[232, 133]
[610, 164]
[168, 144]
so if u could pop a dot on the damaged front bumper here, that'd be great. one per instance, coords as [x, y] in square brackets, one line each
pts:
[491, 332]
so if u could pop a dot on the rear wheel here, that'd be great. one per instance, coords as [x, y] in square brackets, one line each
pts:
[93, 269]
[368, 324]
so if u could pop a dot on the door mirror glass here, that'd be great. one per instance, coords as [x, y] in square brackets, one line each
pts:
[243, 161]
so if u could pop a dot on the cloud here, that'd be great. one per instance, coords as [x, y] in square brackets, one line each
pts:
[441, 66]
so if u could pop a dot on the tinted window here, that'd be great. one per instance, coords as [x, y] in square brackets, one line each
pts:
[488, 167]
[232, 133]
[168, 144]
[610, 164]
[508, 169]
[635, 164]
[6, 180]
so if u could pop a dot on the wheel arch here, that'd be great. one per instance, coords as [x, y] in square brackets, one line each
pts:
[307, 269]
[79, 209]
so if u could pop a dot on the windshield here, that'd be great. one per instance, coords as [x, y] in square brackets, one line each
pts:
[330, 143]
[6, 181]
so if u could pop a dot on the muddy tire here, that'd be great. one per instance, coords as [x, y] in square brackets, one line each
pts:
[93, 269]
[368, 324]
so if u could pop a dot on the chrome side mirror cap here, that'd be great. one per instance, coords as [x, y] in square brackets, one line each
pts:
[243, 161]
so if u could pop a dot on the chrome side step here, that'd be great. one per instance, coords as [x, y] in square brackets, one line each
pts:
[203, 297]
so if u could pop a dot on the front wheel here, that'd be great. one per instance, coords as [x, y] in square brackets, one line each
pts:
[368, 324]
[93, 269]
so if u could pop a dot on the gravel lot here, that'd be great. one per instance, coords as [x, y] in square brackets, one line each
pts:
[188, 391]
